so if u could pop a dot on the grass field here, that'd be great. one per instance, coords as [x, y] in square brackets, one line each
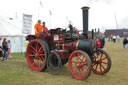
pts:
[16, 71]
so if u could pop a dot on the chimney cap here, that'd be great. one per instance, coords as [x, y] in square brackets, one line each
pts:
[85, 8]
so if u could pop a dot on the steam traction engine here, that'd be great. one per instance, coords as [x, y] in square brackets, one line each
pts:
[58, 46]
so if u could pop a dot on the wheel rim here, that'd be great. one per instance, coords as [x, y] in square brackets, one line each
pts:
[100, 63]
[78, 65]
[36, 55]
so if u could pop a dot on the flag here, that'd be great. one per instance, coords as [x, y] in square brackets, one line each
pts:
[41, 4]
[50, 12]
[69, 21]
[27, 24]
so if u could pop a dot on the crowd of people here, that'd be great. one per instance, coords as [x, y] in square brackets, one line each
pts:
[5, 49]
[114, 38]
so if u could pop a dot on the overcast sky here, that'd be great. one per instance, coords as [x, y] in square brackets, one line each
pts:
[103, 14]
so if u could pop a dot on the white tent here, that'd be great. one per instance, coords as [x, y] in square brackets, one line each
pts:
[11, 29]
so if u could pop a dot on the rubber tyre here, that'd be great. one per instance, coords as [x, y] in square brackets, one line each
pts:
[54, 64]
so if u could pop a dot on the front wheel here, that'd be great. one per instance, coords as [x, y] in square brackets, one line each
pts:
[79, 65]
[101, 62]
[37, 54]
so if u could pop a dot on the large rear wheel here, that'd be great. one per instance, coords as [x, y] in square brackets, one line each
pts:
[37, 54]
[101, 62]
[79, 65]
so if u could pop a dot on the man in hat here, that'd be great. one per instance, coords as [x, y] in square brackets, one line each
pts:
[38, 28]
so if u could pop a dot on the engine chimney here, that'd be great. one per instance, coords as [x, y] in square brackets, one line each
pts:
[85, 21]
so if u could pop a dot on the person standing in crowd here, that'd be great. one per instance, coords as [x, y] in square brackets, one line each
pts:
[118, 38]
[111, 37]
[44, 27]
[108, 38]
[5, 49]
[0, 41]
[38, 28]
[98, 43]
[1, 54]
[114, 39]
[125, 41]
[102, 40]
[9, 49]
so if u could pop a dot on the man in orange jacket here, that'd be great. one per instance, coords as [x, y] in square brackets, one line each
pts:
[38, 28]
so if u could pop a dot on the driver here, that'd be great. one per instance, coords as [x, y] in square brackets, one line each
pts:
[38, 28]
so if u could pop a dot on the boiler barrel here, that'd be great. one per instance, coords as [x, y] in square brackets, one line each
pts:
[86, 45]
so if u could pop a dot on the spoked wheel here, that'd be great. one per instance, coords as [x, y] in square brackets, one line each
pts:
[37, 54]
[80, 65]
[101, 62]
[54, 63]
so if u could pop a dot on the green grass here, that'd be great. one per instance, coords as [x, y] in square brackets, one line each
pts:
[17, 54]
[16, 71]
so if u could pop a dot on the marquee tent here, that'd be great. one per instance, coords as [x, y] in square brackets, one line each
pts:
[11, 29]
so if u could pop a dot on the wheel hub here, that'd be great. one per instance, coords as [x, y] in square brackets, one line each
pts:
[36, 54]
[100, 61]
[80, 65]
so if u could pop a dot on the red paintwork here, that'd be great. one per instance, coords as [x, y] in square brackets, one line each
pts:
[60, 35]
[60, 43]
[64, 54]
[30, 37]
[71, 46]
[44, 36]
[60, 38]
[68, 46]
